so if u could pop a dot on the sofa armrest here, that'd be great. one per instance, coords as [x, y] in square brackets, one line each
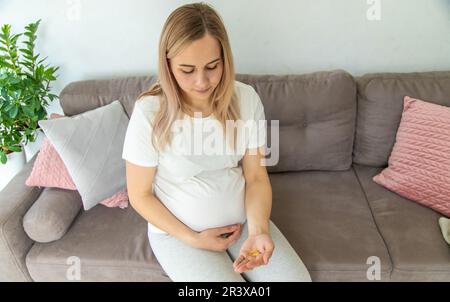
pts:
[15, 200]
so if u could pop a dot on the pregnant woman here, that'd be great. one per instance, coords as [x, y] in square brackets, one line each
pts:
[207, 212]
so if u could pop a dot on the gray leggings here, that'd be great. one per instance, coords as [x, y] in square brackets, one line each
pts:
[184, 263]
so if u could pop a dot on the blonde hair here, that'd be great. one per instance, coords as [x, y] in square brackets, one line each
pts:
[183, 26]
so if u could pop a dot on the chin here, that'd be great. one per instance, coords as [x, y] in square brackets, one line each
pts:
[204, 97]
[201, 96]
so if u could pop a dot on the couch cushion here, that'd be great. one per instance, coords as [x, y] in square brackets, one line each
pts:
[411, 231]
[326, 218]
[316, 112]
[111, 244]
[380, 106]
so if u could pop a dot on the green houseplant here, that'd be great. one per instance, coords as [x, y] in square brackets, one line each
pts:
[24, 89]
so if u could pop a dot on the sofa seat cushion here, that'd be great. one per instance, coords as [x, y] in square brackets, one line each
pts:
[110, 243]
[411, 231]
[327, 220]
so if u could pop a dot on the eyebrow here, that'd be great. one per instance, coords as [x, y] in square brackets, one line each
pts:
[185, 65]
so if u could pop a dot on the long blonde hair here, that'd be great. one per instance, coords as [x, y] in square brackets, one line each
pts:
[183, 26]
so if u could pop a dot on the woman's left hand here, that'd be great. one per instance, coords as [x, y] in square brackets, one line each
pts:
[255, 251]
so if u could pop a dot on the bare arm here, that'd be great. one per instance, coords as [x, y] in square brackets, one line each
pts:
[142, 199]
[258, 193]
[258, 204]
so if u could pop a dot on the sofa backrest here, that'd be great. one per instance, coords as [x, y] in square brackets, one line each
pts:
[380, 107]
[316, 113]
[81, 96]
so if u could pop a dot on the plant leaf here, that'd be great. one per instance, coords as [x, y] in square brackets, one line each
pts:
[28, 110]
[3, 157]
[15, 148]
[13, 112]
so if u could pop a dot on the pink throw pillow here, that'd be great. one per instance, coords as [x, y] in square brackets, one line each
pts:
[419, 165]
[49, 171]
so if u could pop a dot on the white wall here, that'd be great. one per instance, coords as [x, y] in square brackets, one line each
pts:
[113, 38]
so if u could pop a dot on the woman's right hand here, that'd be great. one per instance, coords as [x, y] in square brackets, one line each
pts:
[214, 239]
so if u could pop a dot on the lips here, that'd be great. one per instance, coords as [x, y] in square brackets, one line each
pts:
[202, 91]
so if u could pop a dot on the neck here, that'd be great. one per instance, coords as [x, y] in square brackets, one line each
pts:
[199, 106]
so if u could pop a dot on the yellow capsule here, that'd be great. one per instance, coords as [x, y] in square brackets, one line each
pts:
[254, 253]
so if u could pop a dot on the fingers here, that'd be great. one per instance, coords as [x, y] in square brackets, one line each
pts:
[251, 259]
[228, 229]
[228, 238]
[247, 262]
[266, 256]
[234, 236]
[256, 261]
[239, 261]
[246, 265]
[240, 264]
[243, 257]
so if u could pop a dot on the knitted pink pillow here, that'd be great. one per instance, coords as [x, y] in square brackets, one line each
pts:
[419, 165]
[49, 171]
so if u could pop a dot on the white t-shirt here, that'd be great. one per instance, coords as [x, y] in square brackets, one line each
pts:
[203, 190]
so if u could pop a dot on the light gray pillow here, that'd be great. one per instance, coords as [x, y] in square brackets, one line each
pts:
[90, 145]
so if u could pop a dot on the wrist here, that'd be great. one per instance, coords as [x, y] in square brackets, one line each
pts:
[190, 238]
[259, 229]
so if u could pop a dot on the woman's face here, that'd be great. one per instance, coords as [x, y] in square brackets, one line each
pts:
[198, 69]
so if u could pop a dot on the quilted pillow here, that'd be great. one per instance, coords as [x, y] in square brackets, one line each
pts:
[419, 165]
[49, 171]
[90, 145]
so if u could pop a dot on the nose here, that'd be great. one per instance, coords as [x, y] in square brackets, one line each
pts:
[202, 81]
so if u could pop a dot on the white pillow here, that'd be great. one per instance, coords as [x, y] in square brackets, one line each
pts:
[90, 145]
[444, 223]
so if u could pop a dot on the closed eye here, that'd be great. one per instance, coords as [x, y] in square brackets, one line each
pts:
[209, 68]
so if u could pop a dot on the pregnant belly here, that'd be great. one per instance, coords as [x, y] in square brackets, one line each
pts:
[207, 200]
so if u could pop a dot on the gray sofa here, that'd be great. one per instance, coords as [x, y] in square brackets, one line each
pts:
[336, 133]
